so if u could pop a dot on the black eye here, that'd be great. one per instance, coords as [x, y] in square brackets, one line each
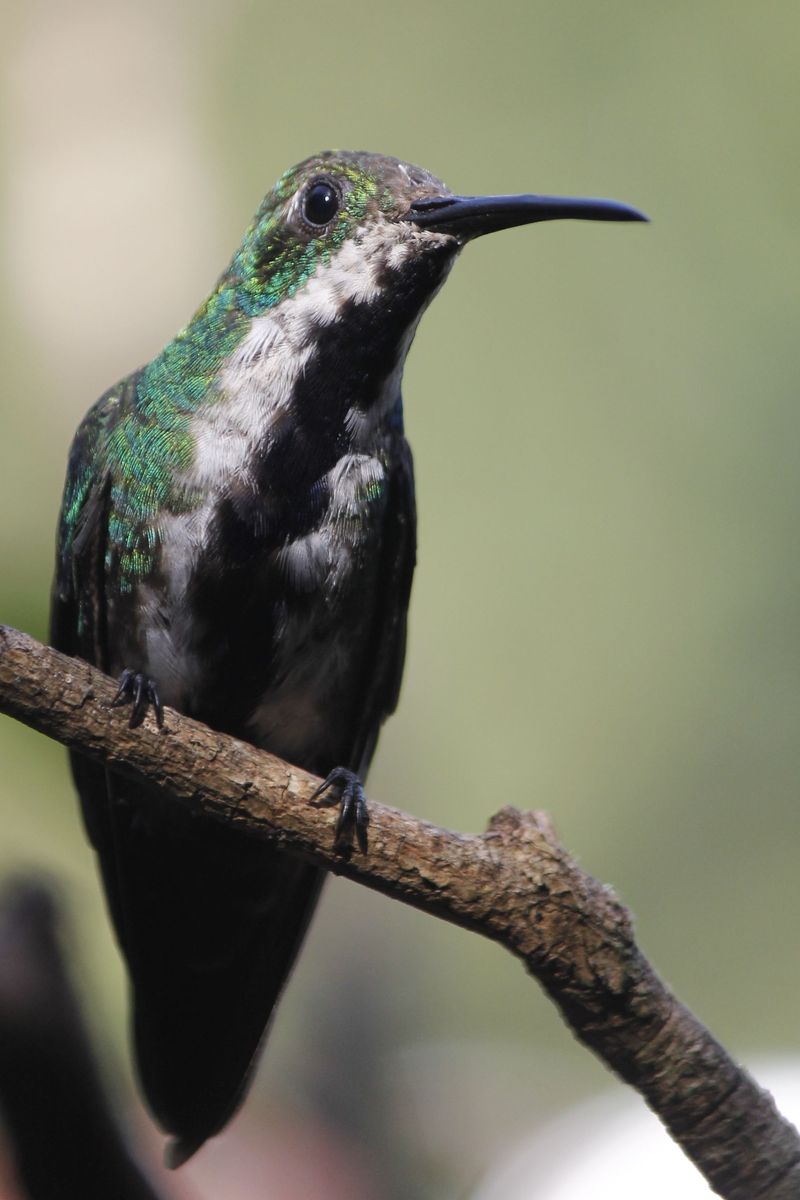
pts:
[321, 203]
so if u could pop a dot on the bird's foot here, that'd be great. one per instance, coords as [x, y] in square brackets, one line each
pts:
[140, 691]
[344, 788]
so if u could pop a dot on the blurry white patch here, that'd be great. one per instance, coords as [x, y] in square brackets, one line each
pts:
[613, 1148]
[67, 154]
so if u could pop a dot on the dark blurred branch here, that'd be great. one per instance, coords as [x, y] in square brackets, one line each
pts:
[65, 1142]
[514, 884]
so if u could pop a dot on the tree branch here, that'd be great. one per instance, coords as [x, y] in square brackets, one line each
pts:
[514, 884]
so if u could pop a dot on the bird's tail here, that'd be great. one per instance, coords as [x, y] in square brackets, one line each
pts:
[210, 923]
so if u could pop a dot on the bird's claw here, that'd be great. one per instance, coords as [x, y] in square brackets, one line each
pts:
[344, 788]
[141, 691]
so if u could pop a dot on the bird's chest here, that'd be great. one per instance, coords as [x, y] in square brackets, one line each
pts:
[265, 599]
[259, 614]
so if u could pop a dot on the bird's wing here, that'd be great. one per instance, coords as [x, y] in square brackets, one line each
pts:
[77, 613]
[387, 648]
[78, 602]
[209, 921]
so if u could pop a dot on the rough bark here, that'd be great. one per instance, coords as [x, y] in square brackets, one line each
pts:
[514, 884]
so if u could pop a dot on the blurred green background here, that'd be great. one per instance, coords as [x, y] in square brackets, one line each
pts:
[606, 614]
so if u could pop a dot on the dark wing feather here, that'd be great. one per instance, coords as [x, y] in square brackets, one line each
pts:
[77, 612]
[209, 922]
[78, 603]
[387, 649]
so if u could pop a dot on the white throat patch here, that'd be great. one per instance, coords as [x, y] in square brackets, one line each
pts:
[257, 382]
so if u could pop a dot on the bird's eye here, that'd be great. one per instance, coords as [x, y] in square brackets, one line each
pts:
[321, 203]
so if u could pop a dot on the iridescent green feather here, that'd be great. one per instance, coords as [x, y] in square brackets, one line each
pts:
[140, 431]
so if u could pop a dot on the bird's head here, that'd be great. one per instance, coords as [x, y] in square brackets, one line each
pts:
[380, 226]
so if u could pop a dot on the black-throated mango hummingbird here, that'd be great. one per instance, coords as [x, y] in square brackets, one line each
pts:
[237, 540]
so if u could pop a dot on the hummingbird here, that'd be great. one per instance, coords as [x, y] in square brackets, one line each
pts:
[237, 541]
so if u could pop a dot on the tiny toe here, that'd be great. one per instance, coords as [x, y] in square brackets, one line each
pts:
[137, 716]
[334, 783]
[158, 707]
[346, 814]
[139, 701]
[361, 821]
[320, 791]
[345, 789]
[123, 695]
[136, 688]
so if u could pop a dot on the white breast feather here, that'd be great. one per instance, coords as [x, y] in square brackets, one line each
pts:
[255, 388]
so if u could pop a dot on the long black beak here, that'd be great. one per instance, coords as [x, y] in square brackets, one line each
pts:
[472, 216]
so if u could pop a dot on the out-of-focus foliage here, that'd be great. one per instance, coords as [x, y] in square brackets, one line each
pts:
[606, 617]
